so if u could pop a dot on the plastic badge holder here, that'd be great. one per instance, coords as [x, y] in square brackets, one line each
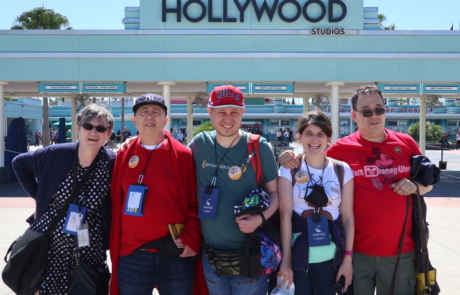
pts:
[282, 290]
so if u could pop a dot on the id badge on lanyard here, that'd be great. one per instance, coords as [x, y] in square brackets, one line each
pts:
[135, 200]
[75, 218]
[209, 201]
[318, 232]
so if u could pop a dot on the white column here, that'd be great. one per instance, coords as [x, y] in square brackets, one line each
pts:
[335, 108]
[306, 104]
[74, 119]
[167, 97]
[2, 125]
[189, 119]
[422, 122]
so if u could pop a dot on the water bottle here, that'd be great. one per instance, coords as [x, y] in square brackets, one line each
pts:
[282, 290]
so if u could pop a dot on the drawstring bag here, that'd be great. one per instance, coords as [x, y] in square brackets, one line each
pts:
[261, 252]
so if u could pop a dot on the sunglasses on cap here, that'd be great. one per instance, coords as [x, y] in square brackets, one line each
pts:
[368, 113]
[89, 127]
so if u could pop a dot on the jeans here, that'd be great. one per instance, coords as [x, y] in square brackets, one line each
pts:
[319, 280]
[139, 272]
[236, 285]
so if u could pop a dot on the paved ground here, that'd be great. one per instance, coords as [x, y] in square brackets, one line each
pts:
[443, 202]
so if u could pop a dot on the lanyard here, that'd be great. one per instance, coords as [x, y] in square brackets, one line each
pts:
[74, 172]
[149, 155]
[310, 181]
[214, 178]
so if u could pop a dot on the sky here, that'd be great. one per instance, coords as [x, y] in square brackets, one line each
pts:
[107, 14]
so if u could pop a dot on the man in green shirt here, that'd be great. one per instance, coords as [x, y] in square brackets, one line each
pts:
[221, 160]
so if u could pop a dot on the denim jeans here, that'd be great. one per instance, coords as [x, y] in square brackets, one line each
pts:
[236, 285]
[319, 280]
[139, 272]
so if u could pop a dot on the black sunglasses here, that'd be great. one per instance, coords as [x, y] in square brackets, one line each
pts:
[89, 127]
[368, 113]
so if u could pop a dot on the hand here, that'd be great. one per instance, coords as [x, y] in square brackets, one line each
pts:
[404, 187]
[288, 276]
[289, 160]
[128, 142]
[249, 223]
[346, 270]
[187, 251]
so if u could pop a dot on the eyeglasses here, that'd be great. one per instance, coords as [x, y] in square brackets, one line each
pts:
[368, 113]
[89, 127]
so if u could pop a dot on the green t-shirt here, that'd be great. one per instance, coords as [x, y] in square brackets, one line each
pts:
[222, 232]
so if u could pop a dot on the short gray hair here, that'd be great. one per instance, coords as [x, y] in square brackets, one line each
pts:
[94, 111]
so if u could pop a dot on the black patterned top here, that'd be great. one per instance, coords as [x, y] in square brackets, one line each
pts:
[61, 255]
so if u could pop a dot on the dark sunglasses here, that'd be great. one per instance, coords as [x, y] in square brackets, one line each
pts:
[368, 113]
[89, 127]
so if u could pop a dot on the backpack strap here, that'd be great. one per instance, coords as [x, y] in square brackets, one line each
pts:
[254, 157]
[339, 170]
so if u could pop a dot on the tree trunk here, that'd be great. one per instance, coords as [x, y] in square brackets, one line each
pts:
[45, 126]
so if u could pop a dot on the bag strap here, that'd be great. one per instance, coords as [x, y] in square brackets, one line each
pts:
[254, 157]
[401, 243]
[339, 170]
[423, 239]
[75, 192]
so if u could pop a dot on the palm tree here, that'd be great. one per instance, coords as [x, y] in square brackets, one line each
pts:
[46, 125]
[41, 18]
[382, 18]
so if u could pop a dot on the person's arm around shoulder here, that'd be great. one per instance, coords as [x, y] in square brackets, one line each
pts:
[346, 211]
[286, 209]
[289, 160]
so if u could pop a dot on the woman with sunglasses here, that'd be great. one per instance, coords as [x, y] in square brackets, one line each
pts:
[49, 174]
[316, 208]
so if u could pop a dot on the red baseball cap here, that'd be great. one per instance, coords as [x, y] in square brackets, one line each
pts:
[226, 96]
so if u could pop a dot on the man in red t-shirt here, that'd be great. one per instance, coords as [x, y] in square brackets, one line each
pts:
[153, 186]
[380, 160]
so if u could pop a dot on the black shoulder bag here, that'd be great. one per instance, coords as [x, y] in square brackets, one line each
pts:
[425, 173]
[29, 253]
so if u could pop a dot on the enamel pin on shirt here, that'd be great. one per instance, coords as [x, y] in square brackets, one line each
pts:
[301, 176]
[234, 172]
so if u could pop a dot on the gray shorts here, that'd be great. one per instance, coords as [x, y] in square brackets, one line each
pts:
[371, 272]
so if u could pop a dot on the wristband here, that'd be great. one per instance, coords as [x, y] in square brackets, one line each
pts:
[263, 220]
[349, 253]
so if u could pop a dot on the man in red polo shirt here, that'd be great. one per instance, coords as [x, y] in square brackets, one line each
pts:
[153, 185]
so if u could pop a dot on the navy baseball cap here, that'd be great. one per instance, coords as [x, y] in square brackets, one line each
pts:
[149, 98]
